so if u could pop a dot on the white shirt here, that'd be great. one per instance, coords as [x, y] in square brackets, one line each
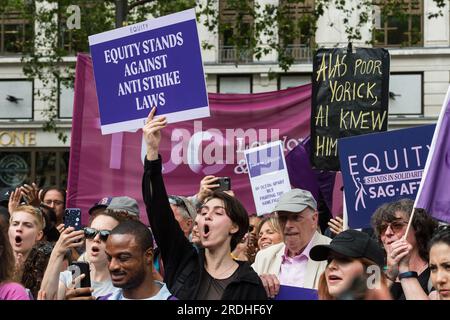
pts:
[102, 288]
[163, 293]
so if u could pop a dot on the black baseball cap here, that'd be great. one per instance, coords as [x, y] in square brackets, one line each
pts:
[353, 244]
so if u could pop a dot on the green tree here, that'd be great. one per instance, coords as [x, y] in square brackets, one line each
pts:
[278, 25]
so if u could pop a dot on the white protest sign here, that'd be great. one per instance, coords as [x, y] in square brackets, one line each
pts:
[268, 175]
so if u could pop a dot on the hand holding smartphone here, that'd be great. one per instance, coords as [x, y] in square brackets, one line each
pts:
[72, 218]
[224, 184]
[78, 268]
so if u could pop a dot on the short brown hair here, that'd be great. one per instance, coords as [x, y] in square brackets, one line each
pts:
[236, 212]
[119, 216]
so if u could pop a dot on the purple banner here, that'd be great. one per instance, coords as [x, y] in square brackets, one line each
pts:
[103, 166]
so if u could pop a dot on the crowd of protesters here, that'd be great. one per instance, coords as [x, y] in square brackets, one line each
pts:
[207, 246]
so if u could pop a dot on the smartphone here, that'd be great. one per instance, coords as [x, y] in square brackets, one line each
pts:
[224, 184]
[78, 268]
[72, 218]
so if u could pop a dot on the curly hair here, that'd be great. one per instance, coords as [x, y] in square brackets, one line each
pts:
[35, 265]
[423, 224]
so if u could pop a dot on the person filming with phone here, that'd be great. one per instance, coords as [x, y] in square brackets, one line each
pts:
[57, 282]
[129, 249]
[208, 185]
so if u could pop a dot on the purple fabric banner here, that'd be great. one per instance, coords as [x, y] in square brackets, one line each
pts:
[433, 194]
[103, 166]
[303, 176]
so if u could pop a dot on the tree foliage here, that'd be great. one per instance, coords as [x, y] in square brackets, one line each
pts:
[258, 29]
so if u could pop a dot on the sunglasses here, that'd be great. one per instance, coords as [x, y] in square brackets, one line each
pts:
[90, 233]
[396, 226]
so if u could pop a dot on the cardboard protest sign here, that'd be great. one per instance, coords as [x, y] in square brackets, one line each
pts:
[350, 97]
[153, 63]
[382, 167]
[268, 175]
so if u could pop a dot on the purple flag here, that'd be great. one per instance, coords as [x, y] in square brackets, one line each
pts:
[433, 194]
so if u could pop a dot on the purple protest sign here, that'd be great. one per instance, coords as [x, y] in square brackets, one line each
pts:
[382, 167]
[296, 293]
[153, 63]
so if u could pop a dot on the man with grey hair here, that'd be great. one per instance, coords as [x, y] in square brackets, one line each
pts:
[184, 212]
[288, 263]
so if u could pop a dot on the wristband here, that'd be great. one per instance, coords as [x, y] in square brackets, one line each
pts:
[408, 274]
[388, 274]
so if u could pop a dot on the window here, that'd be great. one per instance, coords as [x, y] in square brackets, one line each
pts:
[235, 84]
[65, 101]
[289, 81]
[235, 32]
[15, 30]
[69, 39]
[297, 30]
[47, 167]
[399, 26]
[65, 37]
[405, 94]
[16, 99]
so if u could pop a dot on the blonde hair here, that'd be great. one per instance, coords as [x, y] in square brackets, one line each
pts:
[35, 212]
[273, 222]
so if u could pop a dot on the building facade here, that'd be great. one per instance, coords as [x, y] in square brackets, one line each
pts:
[420, 75]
